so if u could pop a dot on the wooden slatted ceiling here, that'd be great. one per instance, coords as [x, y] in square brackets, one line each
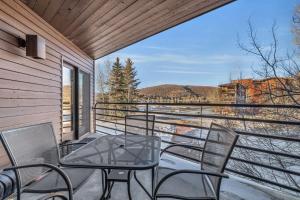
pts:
[100, 27]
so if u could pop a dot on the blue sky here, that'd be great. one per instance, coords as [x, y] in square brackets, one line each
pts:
[204, 51]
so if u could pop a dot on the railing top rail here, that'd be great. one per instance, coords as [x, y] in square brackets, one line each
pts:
[204, 104]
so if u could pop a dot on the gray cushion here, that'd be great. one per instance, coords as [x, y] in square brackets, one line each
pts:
[53, 182]
[184, 185]
[2, 191]
[7, 184]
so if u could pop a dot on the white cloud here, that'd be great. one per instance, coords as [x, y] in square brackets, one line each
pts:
[161, 48]
[182, 72]
[186, 59]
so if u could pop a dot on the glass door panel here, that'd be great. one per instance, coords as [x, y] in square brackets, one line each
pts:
[83, 103]
[68, 102]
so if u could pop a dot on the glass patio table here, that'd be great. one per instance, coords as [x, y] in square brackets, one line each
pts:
[115, 153]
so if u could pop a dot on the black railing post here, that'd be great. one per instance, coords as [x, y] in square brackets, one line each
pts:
[94, 117]
[147, 114]
[201, 122]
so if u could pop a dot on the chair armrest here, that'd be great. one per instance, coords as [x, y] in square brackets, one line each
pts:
[187, 146]
[70, 144]
[50, 166]
[54, 196]
[186, 171]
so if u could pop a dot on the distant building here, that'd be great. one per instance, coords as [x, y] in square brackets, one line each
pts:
[251, 90]
[232, 93]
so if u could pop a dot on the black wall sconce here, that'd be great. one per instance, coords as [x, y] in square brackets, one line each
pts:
[35, 46]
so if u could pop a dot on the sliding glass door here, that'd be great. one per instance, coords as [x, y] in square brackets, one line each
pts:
[76, 103]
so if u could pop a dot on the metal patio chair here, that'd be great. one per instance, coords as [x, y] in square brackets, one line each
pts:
[34, 154]
[136, 125]
[202, 183]
[139, 124]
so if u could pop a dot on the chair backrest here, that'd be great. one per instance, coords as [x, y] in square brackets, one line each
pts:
[217, 149]
[31, 145]
[139, 124]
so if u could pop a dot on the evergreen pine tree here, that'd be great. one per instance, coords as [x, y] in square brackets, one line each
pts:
[130, 81]
[116, 82]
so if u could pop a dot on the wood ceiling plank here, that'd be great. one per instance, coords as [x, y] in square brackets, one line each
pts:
[94, 17]
[40, 6]
[59, 20]
[138, 26]
[75, 12]
[52, 10]
[68, 12]
[153, 23]
[194, 12]
[147, 17]
[84, 15]
[129, 15]
[102, 21]
[30, 3]
[102, 51]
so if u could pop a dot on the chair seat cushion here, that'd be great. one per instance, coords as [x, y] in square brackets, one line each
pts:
[53, 182]
[185, 185]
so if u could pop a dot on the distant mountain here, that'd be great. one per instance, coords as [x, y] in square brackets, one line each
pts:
[169, 90]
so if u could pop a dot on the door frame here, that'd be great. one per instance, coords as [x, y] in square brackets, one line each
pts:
[75, 99]
[72, 96]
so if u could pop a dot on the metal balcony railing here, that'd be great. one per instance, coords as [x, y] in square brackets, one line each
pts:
[267, 152]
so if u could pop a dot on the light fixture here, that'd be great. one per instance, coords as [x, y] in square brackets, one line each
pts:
[35, 46]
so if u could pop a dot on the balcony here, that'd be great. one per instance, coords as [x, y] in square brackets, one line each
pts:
[265, 161]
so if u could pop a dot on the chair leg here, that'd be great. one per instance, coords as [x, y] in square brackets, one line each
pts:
[104, 189]
[109, 188]
[128, 185]
[152, 182]
[103, 181]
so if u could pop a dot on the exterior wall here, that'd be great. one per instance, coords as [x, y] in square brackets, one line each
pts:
[232, 93]
[31, 89]
[257, 90]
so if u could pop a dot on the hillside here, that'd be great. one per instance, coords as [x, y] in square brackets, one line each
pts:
[169, 90]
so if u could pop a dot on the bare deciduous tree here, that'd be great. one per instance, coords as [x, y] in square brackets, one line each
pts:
[102, 80]
[282, 68]
[296, 27]
[280, 71]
